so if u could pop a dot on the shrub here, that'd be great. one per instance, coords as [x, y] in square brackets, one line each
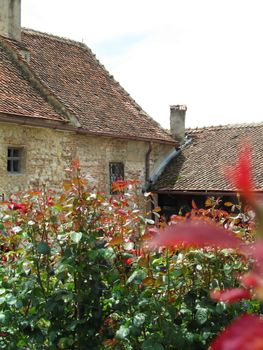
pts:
[79, 271]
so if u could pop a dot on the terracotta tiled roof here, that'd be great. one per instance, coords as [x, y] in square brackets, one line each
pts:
[73, 74]
[17, 96]
[200, 166]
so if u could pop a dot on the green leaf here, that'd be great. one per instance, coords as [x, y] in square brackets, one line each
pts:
[43, 248]
[220, 307]
[76, 236]
[122, 333]
[150, 221]
[151, 345]
[227, 268]
[139, 320]
[10, 299]
[201, 315]
[2, 317]
[136, 276]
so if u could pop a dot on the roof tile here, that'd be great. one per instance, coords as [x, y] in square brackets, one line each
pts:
[17, 96]
[75, 76]
[201, 165]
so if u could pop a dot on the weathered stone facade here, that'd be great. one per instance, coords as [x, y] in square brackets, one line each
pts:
[47, 152]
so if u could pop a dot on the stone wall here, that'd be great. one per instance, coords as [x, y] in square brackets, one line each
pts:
[47, 152]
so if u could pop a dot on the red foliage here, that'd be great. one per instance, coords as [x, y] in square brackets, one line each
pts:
[121, 185]
[245, 333]
[240, 175]
[196, 234]
[128, 261]
[17, 206]
[230, 295]
[251, 280]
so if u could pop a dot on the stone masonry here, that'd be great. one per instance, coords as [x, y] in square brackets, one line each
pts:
[47, 152]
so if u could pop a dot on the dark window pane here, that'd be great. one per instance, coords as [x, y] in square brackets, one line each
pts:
[9, 163]
[16, 152]
[14, 159]
[16, 166]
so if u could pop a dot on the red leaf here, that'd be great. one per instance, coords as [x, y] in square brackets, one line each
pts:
[196, 234]
[121, 212]
[250, 280]
[194, 205]
[245, 333]
[230, 295]
[240, 175]
[128, 261]
[119, 185]
[175, 218]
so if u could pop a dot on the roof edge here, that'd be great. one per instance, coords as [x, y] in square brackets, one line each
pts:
[63, 126]
[224, 127]
[201, 192]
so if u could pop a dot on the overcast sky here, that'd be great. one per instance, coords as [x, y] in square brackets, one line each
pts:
[207, 54]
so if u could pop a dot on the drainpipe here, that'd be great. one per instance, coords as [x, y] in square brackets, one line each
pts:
[147, 163]
[174, 153]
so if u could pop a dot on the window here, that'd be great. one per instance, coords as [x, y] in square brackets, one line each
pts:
[14, 160]
[116, 172]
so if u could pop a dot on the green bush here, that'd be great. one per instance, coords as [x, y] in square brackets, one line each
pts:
[76, 273]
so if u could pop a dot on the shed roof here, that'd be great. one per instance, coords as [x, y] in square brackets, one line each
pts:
[201, 165]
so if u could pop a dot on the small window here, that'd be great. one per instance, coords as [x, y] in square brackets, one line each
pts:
[14, 160]
[116, 172]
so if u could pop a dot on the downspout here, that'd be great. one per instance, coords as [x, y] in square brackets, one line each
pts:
[174, 153]
[147, 163]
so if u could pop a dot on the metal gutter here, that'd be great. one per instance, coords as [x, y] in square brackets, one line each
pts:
[147, 162]
[174, 153]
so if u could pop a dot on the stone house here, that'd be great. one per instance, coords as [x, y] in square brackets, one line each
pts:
[58, 103]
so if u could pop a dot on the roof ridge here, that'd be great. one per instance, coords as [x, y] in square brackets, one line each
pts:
[110, 76]
[226, 126]
[37, 83]
[51, 36]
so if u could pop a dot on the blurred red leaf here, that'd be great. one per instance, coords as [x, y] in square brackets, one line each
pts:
[250, 280]
[240, 175]
[245, 333]
[196, 234]
[230, 295]
[194, 206]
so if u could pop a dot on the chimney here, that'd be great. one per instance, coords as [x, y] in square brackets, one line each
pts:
[10, 19]
[177, 122]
